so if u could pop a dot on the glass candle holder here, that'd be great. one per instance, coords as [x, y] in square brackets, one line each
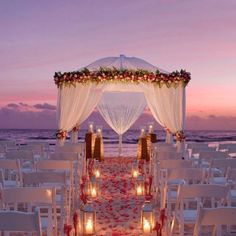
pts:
[142, 131]
[150, 128]
[90, 127]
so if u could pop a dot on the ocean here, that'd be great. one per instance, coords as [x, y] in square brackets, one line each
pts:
[110, 138]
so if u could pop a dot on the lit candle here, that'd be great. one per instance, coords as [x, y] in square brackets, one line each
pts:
[150, 129]
[142, 132]
[135, 174]
[97, 173]
[91, 128]
[146, 226]
[89, 226]
[139, 191]
[94, 192]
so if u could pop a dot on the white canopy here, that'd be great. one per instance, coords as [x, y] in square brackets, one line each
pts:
[123, 62]
[80, 92]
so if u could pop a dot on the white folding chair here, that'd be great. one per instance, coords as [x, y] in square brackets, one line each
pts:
[31, 197]
[71, 156]
[218, 169]
[227, 146]
[11, 145]
[3, 149]
[216, 217]
[37, 149]
[232, 151]
[61, 166]
[57, 180]
[20, 222]
[11, 173]
[176, 177]
[231, 180]
[26, 158]
[189, 200]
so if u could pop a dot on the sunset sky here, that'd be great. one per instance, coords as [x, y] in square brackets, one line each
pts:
[40, 37]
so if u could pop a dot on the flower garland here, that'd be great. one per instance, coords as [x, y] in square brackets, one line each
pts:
[61, 134]
[126, 76]
[180, 136]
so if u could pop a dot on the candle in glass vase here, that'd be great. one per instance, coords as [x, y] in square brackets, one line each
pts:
[91, 127]
[139, 191]
[89, 226]
[99, 132]
[97, 173]
[150, 130]
[146, 226]
[135, 174]
[93, 192]
[142, 132]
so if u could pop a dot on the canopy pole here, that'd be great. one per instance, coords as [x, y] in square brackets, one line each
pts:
[120, 144]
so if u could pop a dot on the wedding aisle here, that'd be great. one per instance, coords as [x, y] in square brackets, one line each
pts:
[118, 208]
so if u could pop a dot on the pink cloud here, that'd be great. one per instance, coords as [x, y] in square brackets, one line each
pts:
[43, 116]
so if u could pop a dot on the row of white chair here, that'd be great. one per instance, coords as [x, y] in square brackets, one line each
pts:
[206, 168]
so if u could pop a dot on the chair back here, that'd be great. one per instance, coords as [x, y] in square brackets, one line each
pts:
[13, 221]
[44, 177]
[11, 171]
[215, 217]
[169, 164]
[190, 175]
[71, 147]
[22, 155]
[66, 156]
[213, 155]
[165, 155]
[213, 192]
[59, 165]
[223, 164]
[41, 197]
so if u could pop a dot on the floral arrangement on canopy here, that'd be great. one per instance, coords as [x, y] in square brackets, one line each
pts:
[121, 75]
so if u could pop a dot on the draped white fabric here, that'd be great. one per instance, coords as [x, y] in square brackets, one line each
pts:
[121, 109]
[75, 104]
[121, 105]
[167, 105]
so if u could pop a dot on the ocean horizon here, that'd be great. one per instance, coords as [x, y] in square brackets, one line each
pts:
[109, 136]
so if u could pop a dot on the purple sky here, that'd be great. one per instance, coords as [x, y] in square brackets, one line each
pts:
[40, 37]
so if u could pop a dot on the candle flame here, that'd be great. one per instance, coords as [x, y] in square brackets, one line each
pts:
[94, 192]
[89, 226]
[135, 173]
[139, 190]
[146, 226]
[97, 173]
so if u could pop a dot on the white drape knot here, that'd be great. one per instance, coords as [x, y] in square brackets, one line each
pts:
[75, 128]
[61, 134]
[180, 136]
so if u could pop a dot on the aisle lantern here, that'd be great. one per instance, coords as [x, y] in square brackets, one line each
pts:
[89, 219]
[147, 218]
[140, 186]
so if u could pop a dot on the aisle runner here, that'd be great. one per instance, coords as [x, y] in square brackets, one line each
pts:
[118, 209]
